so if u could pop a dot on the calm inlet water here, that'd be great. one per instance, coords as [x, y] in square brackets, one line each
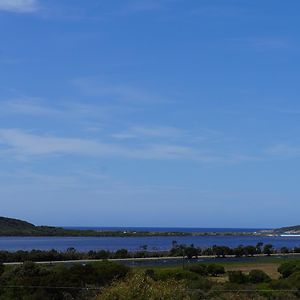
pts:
[135, 243]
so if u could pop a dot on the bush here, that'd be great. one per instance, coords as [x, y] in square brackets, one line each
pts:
[202, 284]
[141, 287]
[2, 268]
[258, 276]
[294, 280]
[177, 274]
[107, 271]
[203, 270]
[288, 268]
[150, 273]
[215, 270]
[199, 269]
[76, 275]
[237, 277]
[122, 253]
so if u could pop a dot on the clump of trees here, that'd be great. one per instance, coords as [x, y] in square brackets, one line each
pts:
[35, 282]
[207, 269]
[254, 276]
[185, 251]
[110, 281]
[222, 251]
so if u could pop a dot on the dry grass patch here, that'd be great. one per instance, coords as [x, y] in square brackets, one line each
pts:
[269, 268]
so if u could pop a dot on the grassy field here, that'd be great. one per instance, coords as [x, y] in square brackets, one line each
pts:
[267, 264]
[269, 268]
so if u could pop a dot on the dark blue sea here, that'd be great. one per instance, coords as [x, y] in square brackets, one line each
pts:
[135, 243]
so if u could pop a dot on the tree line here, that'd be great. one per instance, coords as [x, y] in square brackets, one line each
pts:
[177, 250]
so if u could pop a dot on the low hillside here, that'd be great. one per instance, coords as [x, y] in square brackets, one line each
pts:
[14, 227]
[289, 229]
[8, 225]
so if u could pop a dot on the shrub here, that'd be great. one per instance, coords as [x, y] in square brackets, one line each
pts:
[294, 280]
[2, 269]
[237, 277]
[141, 287]
[258, 276]
[199, 269]
[288, 268]
[122, 253]
[215, 270]
[177, 274]
[202, 284]
[150, 273]
[107, 271]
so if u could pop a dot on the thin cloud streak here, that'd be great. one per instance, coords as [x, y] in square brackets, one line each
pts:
[84, 179]
[79, 111]
[116, 92]
[283, 150]
[21, 143]
[28, 106]
[136, 132]
[19, 6]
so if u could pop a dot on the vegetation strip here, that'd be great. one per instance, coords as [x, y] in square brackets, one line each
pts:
[107, 281]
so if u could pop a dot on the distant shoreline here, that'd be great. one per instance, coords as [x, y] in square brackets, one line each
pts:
[19, 228]
[79, 233]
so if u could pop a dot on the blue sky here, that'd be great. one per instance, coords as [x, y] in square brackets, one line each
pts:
[150, 112]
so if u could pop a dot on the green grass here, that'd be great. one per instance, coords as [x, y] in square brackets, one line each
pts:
[266, 264]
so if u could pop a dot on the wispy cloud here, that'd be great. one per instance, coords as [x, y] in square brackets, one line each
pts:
[84, 114]
[24, 179]
[119, 92]
[24, 144]
[28, 106]
[19, 6]
[283, 150]
[149, 132]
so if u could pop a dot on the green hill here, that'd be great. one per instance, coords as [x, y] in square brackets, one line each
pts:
[8, 225]
[15, 227]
